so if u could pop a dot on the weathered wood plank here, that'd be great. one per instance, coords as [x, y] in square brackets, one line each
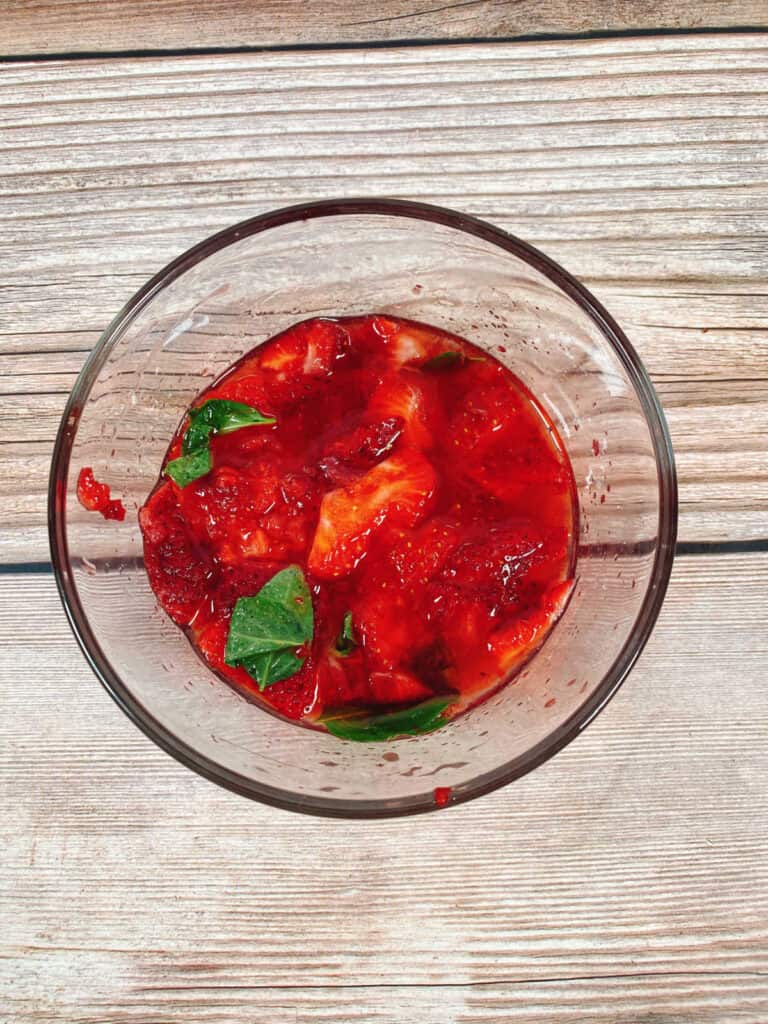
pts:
[640, 164]
[727, 998]
[627, 879]
[55, 26]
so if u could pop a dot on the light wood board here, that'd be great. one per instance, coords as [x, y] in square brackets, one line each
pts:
[641, 165]
[98, 26]
[624, 881]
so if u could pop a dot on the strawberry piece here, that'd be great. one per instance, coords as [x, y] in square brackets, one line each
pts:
[514, 643]
[399, 490]
[408, 342]
[486, 580]
[253, 514]
[295, 697]
[178, 569]
[353, 454]
[512, 456]
[515, 475]
[91, 494]
[420, 554]
[411, 397]
[311, 349]
[488, 415]
[114, 510]
[289, 525]
[211, 640]
[384, 621]
[397, 688]
[342, 681]
[226, 506]
[490, 568]
[247, 384]
[95, 496]
[466, 625]
[283, 374]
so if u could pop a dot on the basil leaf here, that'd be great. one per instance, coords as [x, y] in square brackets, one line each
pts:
[272, 666]
[443, 361]
[413, 721]
[216, 416]
[219, 416]
[273, 622]
[345, 642]
[187, 468]
[198, 435]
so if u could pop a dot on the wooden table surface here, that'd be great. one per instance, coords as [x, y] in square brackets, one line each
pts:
[626, 880]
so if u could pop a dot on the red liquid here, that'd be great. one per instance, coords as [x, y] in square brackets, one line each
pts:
[433, 501]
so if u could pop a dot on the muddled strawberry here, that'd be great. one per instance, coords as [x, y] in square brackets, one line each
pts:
[255, 513]
[309, 349]
[248, 384]
[399, 490]
[95, 496]
[410, 397]
[398, 688]
[515, 642]
[406, 342]
[418, 555]
[352, 454]
[178, 567]
[383, 619]
[298, 696]
[418, 485]
[342, 681]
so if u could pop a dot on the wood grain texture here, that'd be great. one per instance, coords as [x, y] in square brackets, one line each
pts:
[99, 26]
[641, 165]
[625, 880]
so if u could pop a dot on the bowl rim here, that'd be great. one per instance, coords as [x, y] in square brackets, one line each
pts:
[489, 781]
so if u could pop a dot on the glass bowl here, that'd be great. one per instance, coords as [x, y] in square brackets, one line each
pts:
[341, 258]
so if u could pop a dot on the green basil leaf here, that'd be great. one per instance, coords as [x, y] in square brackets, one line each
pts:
[197, 435]
[413, 721]
[443, 361]
[272, 666]
[219, 416]
[346, 641]
[187, 468]
[276, 621]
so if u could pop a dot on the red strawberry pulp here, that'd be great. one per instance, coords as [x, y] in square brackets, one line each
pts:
[95, 496]
[429, 497]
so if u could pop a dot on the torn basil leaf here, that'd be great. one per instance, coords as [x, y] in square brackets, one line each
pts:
[216, 416]
[346, 641]
[443, 361]
[272, 666]
[365, 728]
[219, 416]
[187, 468]
[267, 630]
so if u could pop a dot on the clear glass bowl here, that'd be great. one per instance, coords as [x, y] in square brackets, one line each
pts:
[341, 258]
